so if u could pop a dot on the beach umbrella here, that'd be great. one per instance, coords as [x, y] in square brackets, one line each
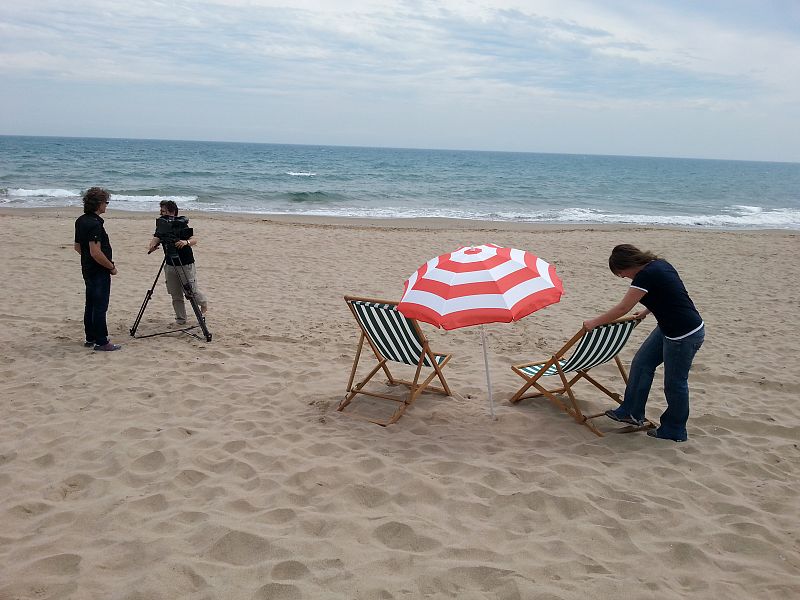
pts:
[476, 285]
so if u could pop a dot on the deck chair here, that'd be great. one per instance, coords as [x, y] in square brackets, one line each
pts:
[592, 348]
[392, 338]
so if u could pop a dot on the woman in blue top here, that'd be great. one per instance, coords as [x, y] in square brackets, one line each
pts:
[676, 339]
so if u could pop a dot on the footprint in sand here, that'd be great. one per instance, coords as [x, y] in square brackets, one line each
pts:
[150, 504]
[152, 461]
[400, 536]
[190, 477]
[290, 569]
[240, 548]
[58, 564]
[277, 591]
[30, 509]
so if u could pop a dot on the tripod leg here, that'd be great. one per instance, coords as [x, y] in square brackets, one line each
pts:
[147, 296]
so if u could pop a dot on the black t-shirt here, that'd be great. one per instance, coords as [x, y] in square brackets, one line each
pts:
[89, 228]
[667, 299]
[185, 254]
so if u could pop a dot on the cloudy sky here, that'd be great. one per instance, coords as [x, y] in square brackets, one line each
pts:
[711, 79]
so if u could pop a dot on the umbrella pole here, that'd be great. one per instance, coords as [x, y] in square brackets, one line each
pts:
[488, 377]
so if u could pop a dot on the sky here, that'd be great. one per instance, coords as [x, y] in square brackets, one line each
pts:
[700, 79]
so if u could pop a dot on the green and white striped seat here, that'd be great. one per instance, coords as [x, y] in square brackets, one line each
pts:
[591, 349]
[595, 347]
[392, 338]
[395, 336]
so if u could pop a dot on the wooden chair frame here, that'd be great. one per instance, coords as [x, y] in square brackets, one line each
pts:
[571, 407]
[415, 387]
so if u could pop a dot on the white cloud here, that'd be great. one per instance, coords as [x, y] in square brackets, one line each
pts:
[473, 58]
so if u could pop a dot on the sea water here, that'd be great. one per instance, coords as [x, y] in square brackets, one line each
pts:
[396, 182]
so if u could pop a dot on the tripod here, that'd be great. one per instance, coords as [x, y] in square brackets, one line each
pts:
[188, 294]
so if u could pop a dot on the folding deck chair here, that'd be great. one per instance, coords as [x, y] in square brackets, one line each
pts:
[392, 338]
[593, 348]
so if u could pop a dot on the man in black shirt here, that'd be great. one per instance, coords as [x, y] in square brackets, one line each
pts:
[181, 269]
[97, 267]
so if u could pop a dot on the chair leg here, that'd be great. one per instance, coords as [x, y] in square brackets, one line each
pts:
[613, 395]
[352, 391]
[437, 368]
[529, 381]
[415, 388]
[621, 369]
[355, 363]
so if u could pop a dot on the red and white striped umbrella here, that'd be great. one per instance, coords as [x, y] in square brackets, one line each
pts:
[480, 284]
[476, 285]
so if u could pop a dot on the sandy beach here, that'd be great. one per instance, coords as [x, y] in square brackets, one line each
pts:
[183, 469]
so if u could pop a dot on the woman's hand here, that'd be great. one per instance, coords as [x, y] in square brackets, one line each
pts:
[590, 324]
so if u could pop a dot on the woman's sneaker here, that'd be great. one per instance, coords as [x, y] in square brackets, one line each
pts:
[627, 419]
[654, 433]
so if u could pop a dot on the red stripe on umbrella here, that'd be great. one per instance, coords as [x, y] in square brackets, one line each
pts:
[500, 286]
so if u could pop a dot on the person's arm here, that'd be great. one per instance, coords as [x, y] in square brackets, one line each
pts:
[190, 242]
[77, 247]
[620, 310]
[153, 244]
[100, 258]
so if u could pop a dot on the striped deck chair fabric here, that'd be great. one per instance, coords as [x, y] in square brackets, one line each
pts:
[591, 349]
[393, 338]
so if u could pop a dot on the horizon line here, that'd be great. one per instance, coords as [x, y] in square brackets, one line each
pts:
[202, 141]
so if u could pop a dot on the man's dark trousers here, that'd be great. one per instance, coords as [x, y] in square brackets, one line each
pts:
[98, 293]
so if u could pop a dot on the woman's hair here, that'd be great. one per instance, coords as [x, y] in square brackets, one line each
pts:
[626, 256]
[93, 198]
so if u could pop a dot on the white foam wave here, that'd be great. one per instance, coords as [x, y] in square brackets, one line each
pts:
[745, 216]
[132, 198]
[42, 193]
[300, 173]
[735, 216]
[759, 219]
[743, 208]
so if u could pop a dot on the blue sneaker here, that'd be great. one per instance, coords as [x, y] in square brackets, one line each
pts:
[654, 434]
[107, 347]
[627, 419]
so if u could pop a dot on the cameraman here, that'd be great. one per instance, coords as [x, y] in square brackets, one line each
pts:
[179, 269]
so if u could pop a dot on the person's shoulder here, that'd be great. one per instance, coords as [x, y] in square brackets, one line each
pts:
[664, 265]
[658, 264]
[648, 272]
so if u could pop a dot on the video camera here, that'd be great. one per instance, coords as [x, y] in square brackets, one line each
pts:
[170, 229]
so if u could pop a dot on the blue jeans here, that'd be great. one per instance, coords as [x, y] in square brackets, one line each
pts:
[98, 292]
[677, 356]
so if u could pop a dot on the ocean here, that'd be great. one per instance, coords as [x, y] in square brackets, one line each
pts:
[397, 182]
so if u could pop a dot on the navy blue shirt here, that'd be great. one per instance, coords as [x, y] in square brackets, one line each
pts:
[89, 228]
[667, 298]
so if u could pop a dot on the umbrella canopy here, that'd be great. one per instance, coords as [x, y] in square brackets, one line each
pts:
[476, 285]
[479, 284]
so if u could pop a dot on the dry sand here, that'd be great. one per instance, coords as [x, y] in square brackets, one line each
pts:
[177, 468]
